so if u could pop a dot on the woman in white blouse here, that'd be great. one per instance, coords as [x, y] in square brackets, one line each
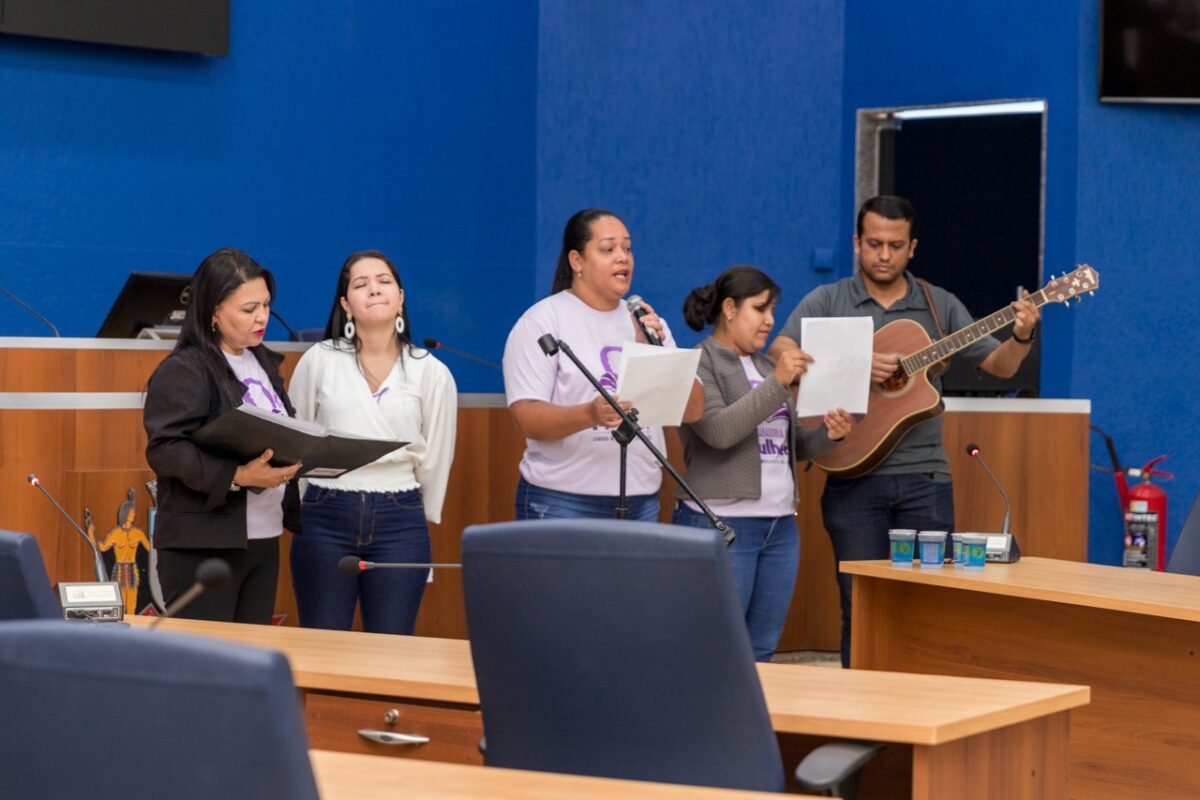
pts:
[367, 378]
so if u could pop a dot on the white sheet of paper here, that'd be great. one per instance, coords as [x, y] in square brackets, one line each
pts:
[657, 380]
[840, 374]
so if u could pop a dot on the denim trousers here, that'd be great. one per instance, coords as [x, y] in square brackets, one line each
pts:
[858, 513]
[536, 502]
[764, 558]
[372, 526]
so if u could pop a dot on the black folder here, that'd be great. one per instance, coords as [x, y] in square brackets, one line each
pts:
[245, 432]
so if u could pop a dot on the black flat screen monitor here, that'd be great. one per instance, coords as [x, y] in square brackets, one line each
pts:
[186, 26]
[147, 299]
[1150, 51]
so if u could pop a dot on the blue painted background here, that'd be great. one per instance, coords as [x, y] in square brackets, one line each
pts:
[710, 128]
[407, 127]
[459, 138]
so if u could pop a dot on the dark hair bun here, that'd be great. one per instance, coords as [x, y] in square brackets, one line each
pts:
[699, 307]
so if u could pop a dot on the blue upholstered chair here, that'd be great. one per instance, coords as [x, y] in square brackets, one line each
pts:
[112, 713]
[616, 649]
[25, 591]
[1185, 558]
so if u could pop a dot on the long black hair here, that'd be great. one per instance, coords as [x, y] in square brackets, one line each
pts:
[218, 276]
[335, 327]
[703, 304]
[576, 235]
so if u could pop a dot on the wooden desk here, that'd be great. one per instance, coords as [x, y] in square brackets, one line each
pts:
[1133, 636]
[349, 776]
[1014, 732]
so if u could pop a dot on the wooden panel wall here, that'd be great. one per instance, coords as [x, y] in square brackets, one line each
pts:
[88, 458]
[1040, 459]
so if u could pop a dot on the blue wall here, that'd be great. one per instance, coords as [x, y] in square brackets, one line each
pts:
[711, 128]
[1139, 167]
[407, 127]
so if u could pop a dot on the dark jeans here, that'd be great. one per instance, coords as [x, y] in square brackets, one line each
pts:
[534, 502]
[372, 526]
[764, 558]
[859, 512]
[248, 596]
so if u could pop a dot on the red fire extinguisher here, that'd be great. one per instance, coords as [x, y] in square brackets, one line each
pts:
[1145, 506]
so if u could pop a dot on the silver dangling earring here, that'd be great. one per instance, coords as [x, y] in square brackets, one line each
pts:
[400, 326]
[348, 329]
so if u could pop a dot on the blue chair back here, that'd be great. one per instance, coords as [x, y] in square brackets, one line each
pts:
[1185, 558]
[25, 591]
[110, 713]
[617, 649]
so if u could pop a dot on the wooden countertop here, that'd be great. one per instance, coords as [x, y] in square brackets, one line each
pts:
[1135, 591]
[883, 706]
[348, 775]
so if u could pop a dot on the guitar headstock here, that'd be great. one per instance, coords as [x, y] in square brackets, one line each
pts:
[1074, 284]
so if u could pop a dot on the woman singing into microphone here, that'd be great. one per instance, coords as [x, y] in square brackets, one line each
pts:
[741, 453]
[571, 463]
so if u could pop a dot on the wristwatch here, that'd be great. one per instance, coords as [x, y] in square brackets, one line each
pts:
[1032, 336]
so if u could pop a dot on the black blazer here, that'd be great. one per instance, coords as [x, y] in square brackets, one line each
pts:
[196, 508]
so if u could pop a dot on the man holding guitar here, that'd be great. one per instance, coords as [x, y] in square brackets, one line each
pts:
[892, 472]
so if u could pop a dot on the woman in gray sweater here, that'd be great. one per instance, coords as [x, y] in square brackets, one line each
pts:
[741, 454]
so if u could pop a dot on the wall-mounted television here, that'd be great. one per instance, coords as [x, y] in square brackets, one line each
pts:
[1150, 51]
[186, 26]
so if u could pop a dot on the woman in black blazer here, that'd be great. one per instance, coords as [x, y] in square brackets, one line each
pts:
[210, 506]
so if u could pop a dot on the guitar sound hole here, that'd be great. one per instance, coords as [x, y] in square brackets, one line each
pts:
[896, 382]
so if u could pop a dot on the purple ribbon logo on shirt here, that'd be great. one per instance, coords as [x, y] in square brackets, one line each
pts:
[260, 395]
[609, 377]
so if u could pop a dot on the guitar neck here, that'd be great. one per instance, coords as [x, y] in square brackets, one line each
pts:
[944, 348]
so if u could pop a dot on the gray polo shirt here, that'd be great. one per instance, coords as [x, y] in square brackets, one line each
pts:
[921, 448]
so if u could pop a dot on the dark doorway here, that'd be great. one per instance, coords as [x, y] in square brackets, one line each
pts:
[976, 183]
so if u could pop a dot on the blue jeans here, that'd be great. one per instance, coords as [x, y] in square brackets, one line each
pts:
[372, 526]
[535, 502]
[764, 558]
[859, 512]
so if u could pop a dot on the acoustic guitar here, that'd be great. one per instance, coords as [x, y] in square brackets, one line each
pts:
[908, 396]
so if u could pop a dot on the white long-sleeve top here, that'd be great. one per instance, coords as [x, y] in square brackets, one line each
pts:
[416, 403]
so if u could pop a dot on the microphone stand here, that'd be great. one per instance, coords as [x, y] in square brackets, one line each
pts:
[101, 573]
[434, 344]
[625, 433]
[1013, 551]
[31, 310]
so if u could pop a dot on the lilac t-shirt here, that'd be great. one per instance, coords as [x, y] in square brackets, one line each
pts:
[264, 511]
[777, 497]
[586, 462]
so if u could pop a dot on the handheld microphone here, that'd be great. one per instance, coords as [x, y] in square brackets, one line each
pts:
[433, 344]
[31, 310]
[1009, 551]
[101, 572]
[351, 565]
[211, 573]
[634, 304]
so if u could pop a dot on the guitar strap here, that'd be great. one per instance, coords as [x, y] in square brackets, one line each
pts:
[940, 368]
